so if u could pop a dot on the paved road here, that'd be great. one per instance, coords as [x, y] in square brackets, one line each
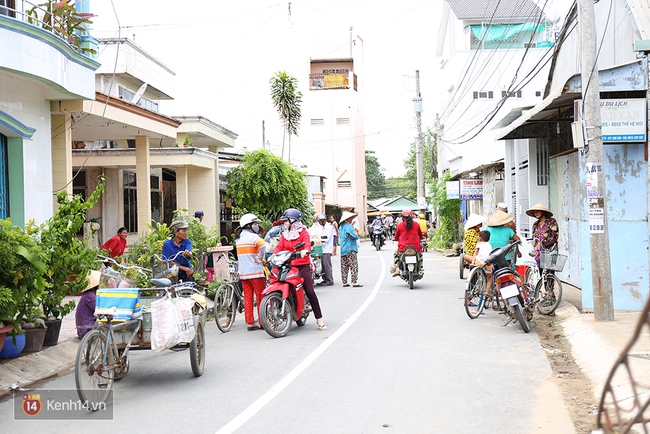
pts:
[393, 360]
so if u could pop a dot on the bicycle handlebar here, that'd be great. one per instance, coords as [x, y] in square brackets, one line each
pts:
[141, 270]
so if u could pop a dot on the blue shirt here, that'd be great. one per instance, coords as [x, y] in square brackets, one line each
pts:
[348, 238]
[500, 236]
[170, 249]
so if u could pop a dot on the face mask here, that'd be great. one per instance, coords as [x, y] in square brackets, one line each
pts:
[256, 228]
[286, 225]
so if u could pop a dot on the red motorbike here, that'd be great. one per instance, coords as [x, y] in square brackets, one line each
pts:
[284, 299]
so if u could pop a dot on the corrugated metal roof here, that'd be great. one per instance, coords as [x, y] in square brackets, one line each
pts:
[494, 9]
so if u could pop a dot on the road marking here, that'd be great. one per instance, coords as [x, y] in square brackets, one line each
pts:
[256, 406]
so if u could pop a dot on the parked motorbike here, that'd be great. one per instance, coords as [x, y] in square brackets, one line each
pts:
[378, 237]
[317, 273]
[519, 306]
[409, 265]
[284, 299]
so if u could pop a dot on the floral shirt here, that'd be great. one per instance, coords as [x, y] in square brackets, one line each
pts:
[547, 234]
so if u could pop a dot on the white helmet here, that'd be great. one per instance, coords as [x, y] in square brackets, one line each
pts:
[247, 219]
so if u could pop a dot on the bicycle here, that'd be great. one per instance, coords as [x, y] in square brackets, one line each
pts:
[229, 297]
[103, 353]
[547, 286]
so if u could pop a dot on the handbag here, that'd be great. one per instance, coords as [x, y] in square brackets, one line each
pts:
[172, 322]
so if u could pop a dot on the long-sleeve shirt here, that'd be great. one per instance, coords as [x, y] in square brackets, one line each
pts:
[348, 238]
[289, 245]
[408, 237]
[250, 251]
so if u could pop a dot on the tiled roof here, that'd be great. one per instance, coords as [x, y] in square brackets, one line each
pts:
[485, 9]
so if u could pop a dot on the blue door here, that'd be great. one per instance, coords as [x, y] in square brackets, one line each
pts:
[4, 179]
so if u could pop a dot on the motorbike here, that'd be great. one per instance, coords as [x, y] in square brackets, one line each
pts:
[317, 273]
[284, 299]
[378, 237]
[409, 265]
[424, 242]
[519, 305]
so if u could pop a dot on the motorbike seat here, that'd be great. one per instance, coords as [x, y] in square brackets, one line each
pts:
[502, 271]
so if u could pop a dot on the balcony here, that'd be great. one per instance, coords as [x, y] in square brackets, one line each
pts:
[336, 80]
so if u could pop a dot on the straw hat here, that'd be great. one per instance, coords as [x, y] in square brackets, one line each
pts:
[502, 206]
[474, 220]
[500, 218]
[539, 207]
[93, 280]
[347, 215]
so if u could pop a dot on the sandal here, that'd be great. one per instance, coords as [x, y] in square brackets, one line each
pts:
[322, 327]
[345, 285]
[253, 327]
[357, 285]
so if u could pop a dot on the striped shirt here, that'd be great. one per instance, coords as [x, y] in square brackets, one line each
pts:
[250, 251]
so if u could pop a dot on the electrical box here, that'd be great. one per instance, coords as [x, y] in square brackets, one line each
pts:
[578, 134]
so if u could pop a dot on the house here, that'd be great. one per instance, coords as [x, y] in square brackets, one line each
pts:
[38, 68]
[557, 166]
[493, 59]
[331, 143]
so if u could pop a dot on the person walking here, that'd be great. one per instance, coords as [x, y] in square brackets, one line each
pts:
[348, 241]
[545, 229]
[116, 245]
[251, 250]
[295, 234]
[327, 241]
[180, 243]
[336, 234]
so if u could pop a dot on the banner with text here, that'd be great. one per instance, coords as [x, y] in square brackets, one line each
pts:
[471, 189]
[453, 191]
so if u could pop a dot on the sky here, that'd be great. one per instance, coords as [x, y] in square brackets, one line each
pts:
[224, 54]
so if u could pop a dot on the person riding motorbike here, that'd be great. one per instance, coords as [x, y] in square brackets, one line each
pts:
[377, 224]
[408, 234]
[295, 234]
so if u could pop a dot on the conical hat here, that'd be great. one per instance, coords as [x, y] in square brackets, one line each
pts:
[474, 220]
[347, 215]
[539, 207]
[93, 279]
[500, 218]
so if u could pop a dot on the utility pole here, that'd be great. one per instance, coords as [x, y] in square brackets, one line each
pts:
[263, 136]
[601, 275]
[417, 102]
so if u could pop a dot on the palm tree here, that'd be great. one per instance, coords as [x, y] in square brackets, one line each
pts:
[286, 100]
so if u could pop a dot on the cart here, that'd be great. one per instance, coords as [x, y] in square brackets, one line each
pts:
[103, 354]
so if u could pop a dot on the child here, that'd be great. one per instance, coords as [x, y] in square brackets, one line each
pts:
[483, 248]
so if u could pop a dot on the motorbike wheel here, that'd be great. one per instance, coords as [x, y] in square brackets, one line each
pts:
[410, 280]
[520, 318]
[475, 293]
[274, 321]
[225, 306]
[377, 243]
[549, 295]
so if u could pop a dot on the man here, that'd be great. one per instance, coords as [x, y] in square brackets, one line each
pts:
[115, 246]
[327, 241]
[377, 223]
[179, 243]
[199, 215]
[422, 221]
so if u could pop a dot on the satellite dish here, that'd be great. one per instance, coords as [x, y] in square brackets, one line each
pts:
[139, 93]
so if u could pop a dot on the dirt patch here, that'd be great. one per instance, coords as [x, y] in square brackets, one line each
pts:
[576, 388]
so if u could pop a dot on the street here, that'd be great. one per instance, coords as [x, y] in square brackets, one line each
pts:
[393, 360]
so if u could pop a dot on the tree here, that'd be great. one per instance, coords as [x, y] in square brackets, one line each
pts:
[448, 212]
[286, 100]
[429, 159]
[266, 185]
[375, 178]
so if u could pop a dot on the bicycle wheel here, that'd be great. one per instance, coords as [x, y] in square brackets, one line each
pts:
[197, 350]
[274, 320]
[225, 307]
[93, 369]
[549, 294]
[462, 265]
[475, 297]
[531, 276]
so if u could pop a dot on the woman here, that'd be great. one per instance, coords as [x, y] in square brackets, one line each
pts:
[348, 237]
[336, 233]
[295, 234]
[472, 229]
[251, 249]
[408, 233]
[545, 229]
[85, 313]
[501, 232]
[116, 245]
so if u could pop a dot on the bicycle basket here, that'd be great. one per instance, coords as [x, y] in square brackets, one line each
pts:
[163, 269]
[552, 261]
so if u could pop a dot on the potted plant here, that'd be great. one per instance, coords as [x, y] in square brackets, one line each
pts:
[68, 261]
[22, 277]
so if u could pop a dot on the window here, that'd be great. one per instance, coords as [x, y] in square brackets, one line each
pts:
[128, 95]
[4, 179]
[513, 94]
[318, 122]
[538, 93]
[345, 184]
[483, 95]
[342, 121]
[79, 184]
[542, 161]
[130, 202]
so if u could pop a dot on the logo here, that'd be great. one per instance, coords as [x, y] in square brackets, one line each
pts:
[32, 404]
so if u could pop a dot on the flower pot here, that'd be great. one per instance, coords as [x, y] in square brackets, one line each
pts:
[52, 333]
[3, 332]
[11, 350]
[34, 339]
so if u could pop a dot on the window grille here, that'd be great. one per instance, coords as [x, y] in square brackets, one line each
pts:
[318, 122]
[342, 121]
[345, 184]
[542, 161]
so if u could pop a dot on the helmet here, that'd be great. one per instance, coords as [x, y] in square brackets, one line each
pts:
[198, 214]
[321, 217]
[178, 224]
[247, 219]
[421, 216]
[292, 214]
[407, 213]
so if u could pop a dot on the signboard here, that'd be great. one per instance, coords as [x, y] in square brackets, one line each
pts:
[623, 120]
[596, 221]
[453, 191]
[471, 189]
